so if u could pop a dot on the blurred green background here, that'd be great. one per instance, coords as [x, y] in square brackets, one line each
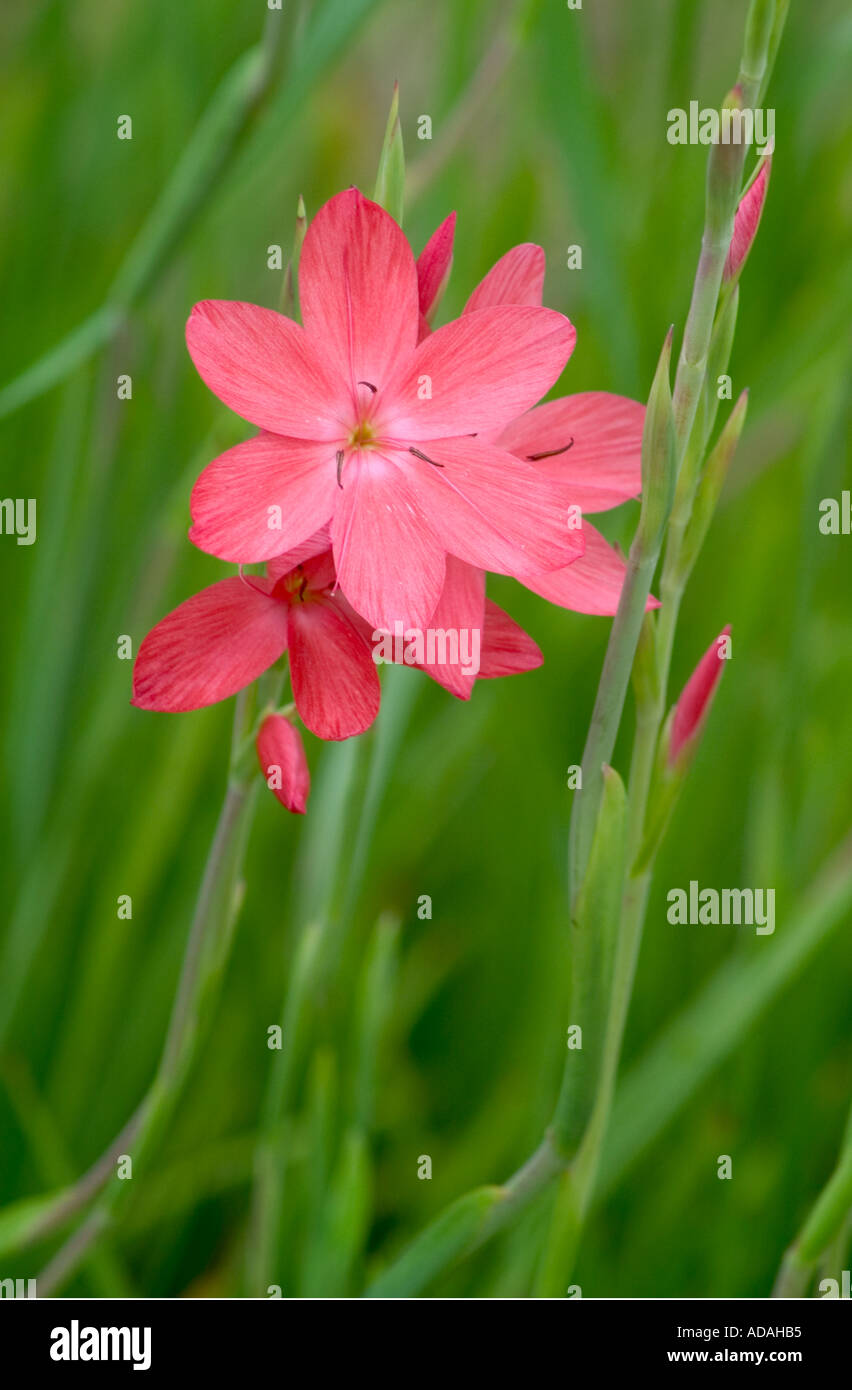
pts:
[548, 125]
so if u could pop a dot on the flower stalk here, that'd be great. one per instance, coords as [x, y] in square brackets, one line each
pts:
[202, 972]
[705, 333]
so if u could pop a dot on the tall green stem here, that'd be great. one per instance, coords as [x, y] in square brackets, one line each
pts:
[763, 29]
[216, 911]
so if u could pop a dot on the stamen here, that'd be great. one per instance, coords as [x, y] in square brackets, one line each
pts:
[425, 457]
[339, 467]
[551, 453]
[373, 388]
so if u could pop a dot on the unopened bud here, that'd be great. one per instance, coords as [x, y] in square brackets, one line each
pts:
[658, 457]
[725, 164]
[283, 762]
[433, 266]
[710, 485]
[696, 697]
[747, 220]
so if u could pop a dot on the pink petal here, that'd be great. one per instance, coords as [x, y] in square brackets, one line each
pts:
[591, 584]
[482, 369]
[283, 763]
[233, 502]
[318, 570]
[211, 646]
[335, 681]
[694, 703]
[461, 612]
[358, 290]
[491, 509]
[316, 544]
[434, 264]
[263, 366]
[747, 221]
[603, 466]
[507, 649]
[517, 278]
[389, 563]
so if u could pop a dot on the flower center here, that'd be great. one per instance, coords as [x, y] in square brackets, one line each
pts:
[362, 436]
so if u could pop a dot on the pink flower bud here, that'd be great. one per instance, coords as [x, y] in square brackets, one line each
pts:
[747, 220]
[433, 266]
[692, 707]
[283, 762]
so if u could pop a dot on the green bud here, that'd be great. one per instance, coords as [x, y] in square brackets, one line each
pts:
[717, 360]
[760, 25]
[724, 172]
[659, 462]
[666, 783]
[290, 287]
[711, 483]
[646, 673]
[390, 180]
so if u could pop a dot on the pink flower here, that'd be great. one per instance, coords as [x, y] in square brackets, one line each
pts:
[747, 221]
[587, 445]
[694, 704]
[222, 639]
[387, 441]
[283, 763]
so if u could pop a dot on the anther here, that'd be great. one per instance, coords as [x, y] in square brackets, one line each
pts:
[551, 453]
[425, 457]
[373, 388]
[339, 467]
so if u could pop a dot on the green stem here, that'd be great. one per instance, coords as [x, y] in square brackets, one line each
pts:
[215, 916]
[724, 177]
[684, 1055]
[347, 811]
[609, 704]
[822, 1225]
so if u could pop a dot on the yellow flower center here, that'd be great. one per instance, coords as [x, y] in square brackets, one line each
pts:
[362, 436]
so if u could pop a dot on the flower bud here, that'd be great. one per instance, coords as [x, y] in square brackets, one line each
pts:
[678, 742]
[433, 266]
[718, 359]
[646, 667]
[693, 706]
[283, 762]
[747, 220]
[724, 168]
[710, 485]
[290, 287]
[658, 457]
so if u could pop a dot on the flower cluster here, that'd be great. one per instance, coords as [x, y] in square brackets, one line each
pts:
[395, 465]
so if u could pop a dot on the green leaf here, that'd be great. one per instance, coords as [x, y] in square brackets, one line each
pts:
[390, 180]
[594, 930]
[20, 1222]
[449, 1237]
